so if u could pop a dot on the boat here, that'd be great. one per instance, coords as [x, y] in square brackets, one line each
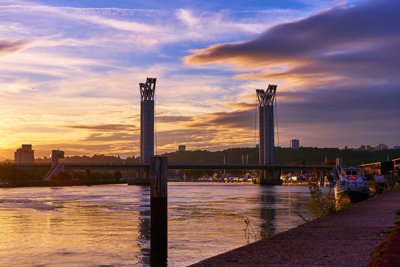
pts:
[351, 181]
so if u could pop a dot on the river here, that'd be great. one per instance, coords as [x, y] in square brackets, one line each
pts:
[109, 225]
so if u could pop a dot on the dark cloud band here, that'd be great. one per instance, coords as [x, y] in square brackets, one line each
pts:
[7, 47]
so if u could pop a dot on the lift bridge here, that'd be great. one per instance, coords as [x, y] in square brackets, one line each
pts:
[269, 172]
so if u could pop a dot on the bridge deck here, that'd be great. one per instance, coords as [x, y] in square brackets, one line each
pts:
[175, 166]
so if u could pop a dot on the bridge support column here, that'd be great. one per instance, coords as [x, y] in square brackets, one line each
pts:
[158, 211]
[267, 135]
[271, 177]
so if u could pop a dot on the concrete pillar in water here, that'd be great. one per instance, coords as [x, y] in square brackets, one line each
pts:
[158, 211]
[267, 134]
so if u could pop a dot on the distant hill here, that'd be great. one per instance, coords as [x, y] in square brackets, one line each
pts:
[303, 155]
[93, 159]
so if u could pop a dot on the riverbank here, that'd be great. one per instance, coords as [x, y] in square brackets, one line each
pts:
[346, 238]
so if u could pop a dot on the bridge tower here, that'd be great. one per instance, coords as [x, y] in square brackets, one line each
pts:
[266, 99]
[147, 93]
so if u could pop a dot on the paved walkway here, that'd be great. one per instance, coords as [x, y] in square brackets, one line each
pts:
[346, 238]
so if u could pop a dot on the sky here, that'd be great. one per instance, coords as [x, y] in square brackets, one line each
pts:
[69, 73]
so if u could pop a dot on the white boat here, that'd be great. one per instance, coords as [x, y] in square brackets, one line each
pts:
[351, 181]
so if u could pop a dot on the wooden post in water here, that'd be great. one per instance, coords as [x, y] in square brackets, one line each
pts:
[158, 211]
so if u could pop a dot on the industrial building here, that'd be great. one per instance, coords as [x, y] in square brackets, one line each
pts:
[24, 155]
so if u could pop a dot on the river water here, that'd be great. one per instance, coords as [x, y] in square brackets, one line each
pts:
[109, 225]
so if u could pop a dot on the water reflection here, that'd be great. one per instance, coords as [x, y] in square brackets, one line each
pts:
[109, 225]
[267, 213]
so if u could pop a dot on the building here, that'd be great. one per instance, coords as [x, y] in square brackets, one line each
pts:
[295, 143]
[25, 154]
[182, 148]
[57, 156]
[57, 164]
[382, 147]
[377, 168]
[396, 164]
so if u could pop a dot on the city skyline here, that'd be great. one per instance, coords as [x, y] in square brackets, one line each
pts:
[70, 73]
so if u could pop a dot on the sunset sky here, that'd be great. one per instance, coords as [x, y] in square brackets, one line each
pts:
[69, 72]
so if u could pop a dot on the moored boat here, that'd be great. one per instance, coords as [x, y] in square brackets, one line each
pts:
[352, 183]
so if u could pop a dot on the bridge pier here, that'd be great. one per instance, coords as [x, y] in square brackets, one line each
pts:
[271, 177]
[158, 211]
[267, 135]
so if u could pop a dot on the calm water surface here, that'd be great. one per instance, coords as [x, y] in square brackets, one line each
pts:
[109, 225]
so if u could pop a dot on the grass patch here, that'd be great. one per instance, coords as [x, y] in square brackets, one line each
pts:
[380, 255]
[377, 254]
[383, 255]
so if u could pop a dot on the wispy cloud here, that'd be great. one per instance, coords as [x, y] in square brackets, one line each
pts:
[155, 27]
[104, 127]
